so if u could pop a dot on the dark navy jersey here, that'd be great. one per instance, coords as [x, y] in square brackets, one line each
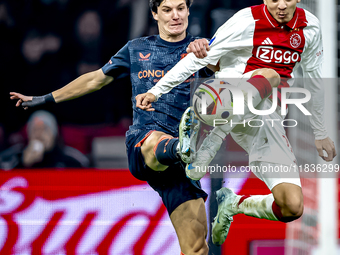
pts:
[147, 60]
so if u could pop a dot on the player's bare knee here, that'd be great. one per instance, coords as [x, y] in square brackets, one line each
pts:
[149, 144]
[153, 139]
[289, 198]
[294, 207]
[148, 150]
[270, 74]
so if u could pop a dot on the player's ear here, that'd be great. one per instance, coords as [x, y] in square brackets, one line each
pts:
[298, 1]
[155, 16]
[265, 2]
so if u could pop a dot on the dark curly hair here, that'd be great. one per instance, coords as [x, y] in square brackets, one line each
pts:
[155, 3]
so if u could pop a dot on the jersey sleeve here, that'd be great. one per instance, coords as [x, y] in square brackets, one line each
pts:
[119, 65]
[314, 84]
[312, 56]
[311, 64]
[233, 34]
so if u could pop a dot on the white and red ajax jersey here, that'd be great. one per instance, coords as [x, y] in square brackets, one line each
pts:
[253, 39]
[258, 41]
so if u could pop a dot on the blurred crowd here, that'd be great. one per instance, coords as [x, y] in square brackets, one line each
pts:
[47, 43]
[44, 147]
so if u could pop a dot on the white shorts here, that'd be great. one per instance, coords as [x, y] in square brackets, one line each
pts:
[273, 174]
[265, 140]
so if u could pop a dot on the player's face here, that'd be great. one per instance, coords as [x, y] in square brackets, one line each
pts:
[172, 19]
[281, 10]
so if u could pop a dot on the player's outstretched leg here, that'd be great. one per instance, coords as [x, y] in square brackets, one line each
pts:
[261, 84]
[287, 206]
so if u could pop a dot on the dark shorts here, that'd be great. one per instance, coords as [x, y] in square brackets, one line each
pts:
[172, 184]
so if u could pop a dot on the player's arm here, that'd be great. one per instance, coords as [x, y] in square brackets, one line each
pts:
[316, 107]
[83, 85]
[312, 59]
[200, 48]
[227, 38]
[118, 67]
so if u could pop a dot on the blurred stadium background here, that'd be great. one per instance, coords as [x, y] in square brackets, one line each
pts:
[44, 44]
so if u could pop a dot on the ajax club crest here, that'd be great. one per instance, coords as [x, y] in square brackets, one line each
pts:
[295, 40]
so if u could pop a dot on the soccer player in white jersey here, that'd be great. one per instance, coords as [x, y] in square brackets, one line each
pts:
[280, 37]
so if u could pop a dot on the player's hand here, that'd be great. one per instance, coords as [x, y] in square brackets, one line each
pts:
[326, 145]
[22, 98]
[143, 101]
[199, 47]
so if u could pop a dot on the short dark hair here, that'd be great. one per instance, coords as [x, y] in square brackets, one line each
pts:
[154, 4]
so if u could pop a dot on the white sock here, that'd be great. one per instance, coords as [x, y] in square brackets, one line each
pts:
[259, 206]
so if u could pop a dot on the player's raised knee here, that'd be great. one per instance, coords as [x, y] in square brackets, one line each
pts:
[294, 207]
[270, 74]
[149, 147]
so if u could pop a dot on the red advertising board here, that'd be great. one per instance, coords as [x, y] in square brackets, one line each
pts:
[82, 212]
[90, 212]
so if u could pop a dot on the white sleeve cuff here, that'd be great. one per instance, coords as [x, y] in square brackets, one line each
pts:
[155, 92]
[320, 136]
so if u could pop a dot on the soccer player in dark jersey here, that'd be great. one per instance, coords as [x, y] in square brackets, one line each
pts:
[152, 150]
